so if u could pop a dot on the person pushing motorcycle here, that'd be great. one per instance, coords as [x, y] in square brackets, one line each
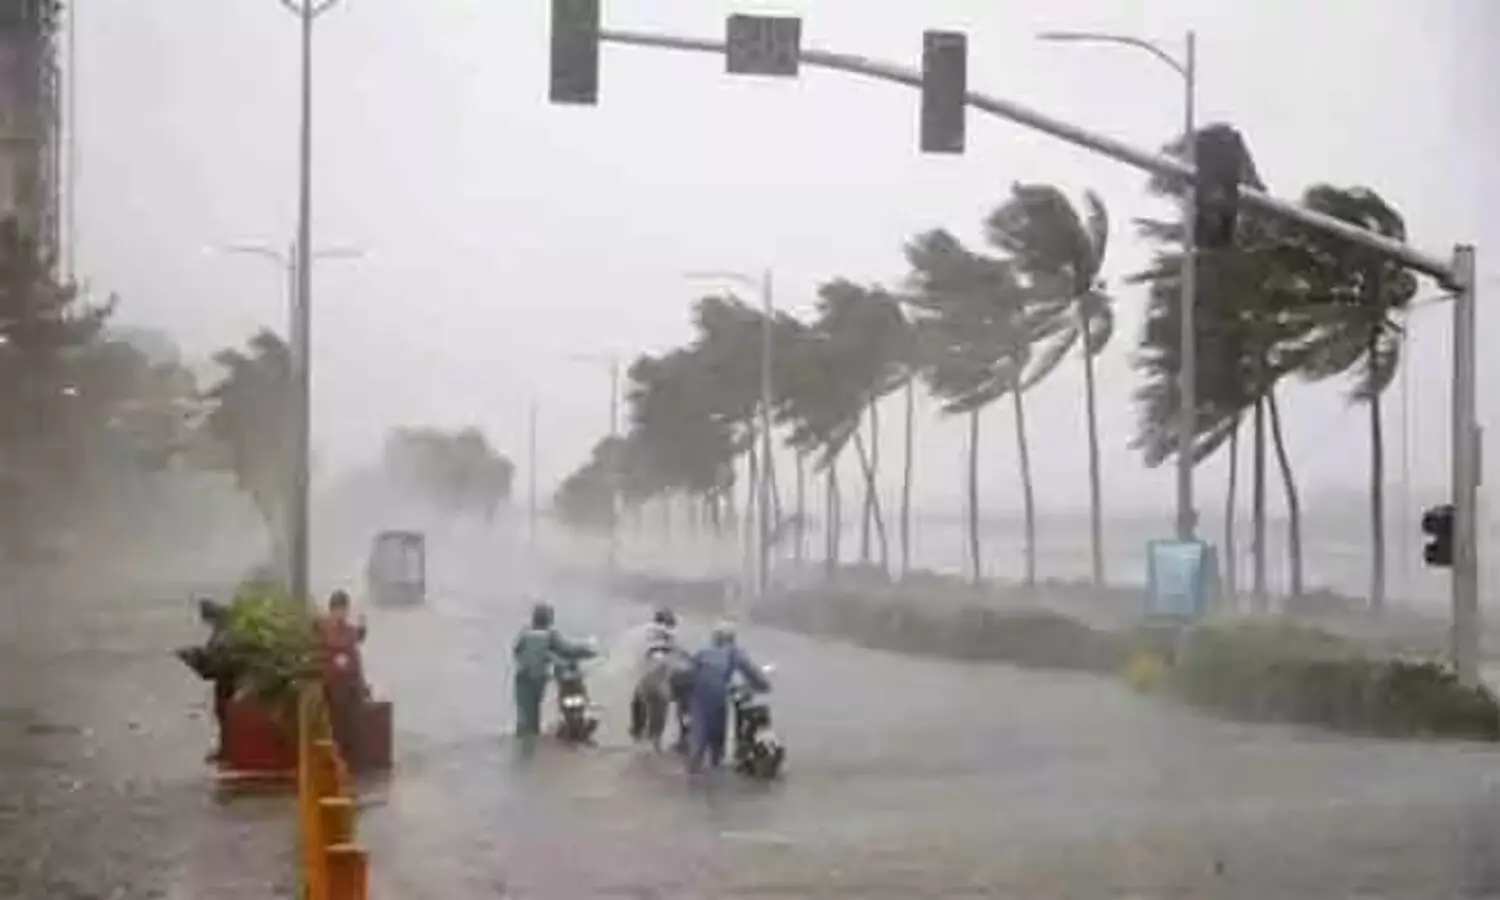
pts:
[537, 649]
[714, 668]
[653, 696]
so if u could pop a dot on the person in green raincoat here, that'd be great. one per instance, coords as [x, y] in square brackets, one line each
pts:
[536, 649]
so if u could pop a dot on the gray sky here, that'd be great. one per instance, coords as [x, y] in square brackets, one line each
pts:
[505, 234]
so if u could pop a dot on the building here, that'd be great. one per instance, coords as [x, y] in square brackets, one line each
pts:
[31, 119]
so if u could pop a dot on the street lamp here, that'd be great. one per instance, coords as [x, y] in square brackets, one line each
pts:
[763, 485]
[286, 260]
[307, 12]
[1187, 374]
[612, 360]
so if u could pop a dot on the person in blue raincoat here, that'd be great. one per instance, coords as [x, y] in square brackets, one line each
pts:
[714, 668]
[536, 650]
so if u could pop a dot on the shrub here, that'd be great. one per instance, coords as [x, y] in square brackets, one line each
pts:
[271, 642]
[1278, 670]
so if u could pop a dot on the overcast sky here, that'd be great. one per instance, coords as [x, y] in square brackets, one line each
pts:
[504, 235]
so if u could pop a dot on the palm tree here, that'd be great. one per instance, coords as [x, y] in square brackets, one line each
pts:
[1060, 253]
[1246, 321]
[970, 310]
[868, 335]
[1355, 310]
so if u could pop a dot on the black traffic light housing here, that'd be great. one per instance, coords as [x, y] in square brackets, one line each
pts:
[1219, 157]
[575, 52]
[945, 88]
[1437, 524]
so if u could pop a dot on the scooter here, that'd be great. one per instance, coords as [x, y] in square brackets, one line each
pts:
[580, 717]
[758, 751]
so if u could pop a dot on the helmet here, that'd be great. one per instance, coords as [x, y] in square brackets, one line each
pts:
[542, 615]
[723, 632]
[665, 617]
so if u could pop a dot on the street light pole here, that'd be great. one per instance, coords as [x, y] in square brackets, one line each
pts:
[1187, 513]
[307, 12]
[296, 337]
[613, 360]
[1187, 372]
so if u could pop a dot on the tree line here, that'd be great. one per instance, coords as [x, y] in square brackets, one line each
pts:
[974, 326]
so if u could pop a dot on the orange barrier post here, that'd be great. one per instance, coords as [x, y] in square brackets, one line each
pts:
[334, 867]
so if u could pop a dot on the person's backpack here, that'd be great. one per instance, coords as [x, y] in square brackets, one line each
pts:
[533, 652]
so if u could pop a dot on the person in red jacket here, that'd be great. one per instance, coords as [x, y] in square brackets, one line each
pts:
[343, 672]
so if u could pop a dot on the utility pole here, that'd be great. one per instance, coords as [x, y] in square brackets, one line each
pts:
[1467, 460]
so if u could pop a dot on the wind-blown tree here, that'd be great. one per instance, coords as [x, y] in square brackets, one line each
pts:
[585, 499]
[250, 423]
[864, 339]
[457, 472]
[970, 310]
[1357, 300]
[1246, 317]
[45, 330]
[1284, 300]
[813, 402]
[677, 441]
[1059, 253]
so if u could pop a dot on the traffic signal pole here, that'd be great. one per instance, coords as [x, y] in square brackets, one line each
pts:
[1456, 275]
[1467, 463]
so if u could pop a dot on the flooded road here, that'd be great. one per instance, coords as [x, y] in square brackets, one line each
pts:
[906, 777]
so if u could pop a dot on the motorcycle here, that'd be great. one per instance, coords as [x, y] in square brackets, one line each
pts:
[580, 718]
[758, 751]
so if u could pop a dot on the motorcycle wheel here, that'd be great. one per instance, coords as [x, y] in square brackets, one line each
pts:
[764, 763]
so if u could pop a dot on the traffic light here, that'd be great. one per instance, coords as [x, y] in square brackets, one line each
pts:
[1437, 524]
[1219, 156]
[575, 52]
[945, 82]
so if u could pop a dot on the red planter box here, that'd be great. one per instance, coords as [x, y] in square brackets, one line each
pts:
[375, 737]
[256, 743]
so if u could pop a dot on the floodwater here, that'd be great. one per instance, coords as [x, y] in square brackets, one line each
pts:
[906, 777]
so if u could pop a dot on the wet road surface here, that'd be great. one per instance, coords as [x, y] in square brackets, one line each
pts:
[103, 791]
[907, 778]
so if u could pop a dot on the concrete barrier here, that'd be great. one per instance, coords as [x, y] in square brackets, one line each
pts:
[334, 865]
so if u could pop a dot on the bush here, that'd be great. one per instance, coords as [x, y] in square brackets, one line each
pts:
[271, 643]
[1282, 671]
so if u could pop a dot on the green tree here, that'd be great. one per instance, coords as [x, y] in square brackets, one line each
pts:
[250, 423]
[976, 348]
[1060, 254]
[1357, 301]
[46, 331]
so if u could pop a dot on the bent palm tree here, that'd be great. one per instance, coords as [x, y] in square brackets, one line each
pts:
[1060, 253]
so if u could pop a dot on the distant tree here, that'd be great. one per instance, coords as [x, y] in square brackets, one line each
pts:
[455, 471]
[249, 425]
